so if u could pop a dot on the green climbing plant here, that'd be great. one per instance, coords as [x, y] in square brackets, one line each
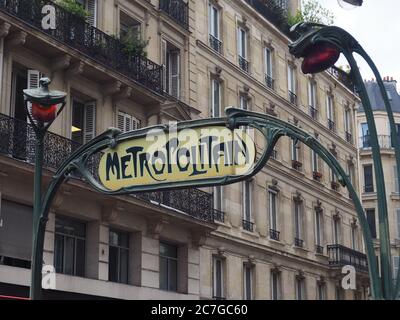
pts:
[132, 44]
[74, 7]
[312, 11]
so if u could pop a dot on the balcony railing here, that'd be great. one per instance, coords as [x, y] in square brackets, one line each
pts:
[274, 235]
[340, 256]
[385, 142]
[369, 188]
[219, 216]
[343, 77]
[331, 125]
[349, 137]
[319, 249]
[243, 64]
[292, 97]
[74, 32]
[269, 81]
[248, 225]
[298, 242]
[178, 10]
[313, 112]
[215, 44]
[17, 141]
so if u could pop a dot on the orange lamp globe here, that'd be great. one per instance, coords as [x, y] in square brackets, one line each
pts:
[44, 114]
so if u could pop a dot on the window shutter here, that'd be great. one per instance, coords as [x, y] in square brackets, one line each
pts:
[90, 121]
[92, 9]
[33, 83]
[135, 123]
[164, 62]
[121, 121]
[175, 74]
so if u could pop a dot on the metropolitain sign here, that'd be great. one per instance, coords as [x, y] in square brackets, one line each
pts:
[164, 158]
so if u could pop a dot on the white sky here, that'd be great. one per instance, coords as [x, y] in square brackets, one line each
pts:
[376, 26]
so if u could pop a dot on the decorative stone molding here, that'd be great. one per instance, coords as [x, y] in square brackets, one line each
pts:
[221, 251]
[16, 39]
[274, 186]
[336, 216]
[218, 71]
[270, 109]
[276, 268]
[198, 238]
[61, 195]
[4, 29]
[297, 197]
[112, 88]
[318, 206]
[123, 94]
[61, 63]
[75, 69]
[155, 227]
[321, 280]
[300, 275]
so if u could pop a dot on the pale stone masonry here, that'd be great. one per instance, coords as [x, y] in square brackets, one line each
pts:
[175, 253]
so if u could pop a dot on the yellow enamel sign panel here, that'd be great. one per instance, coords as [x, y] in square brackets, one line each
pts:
[176, 156]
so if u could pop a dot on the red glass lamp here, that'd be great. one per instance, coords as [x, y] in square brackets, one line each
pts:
[319, 57]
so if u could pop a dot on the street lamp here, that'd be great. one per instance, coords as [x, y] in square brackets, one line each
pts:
[42, 106]
[318, 45]
[350, 4]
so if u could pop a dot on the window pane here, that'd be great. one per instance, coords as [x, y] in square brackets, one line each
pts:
[168, 250]
[69, 255]
[124, 261]
[59, 253]
[113, 264]
[163, 273]
[172, 275]
[371, 222]
[80, 258]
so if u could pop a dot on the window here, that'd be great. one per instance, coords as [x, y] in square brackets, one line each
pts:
[171, 57]
[321, 290]
[242, 49]
[272, 195]
[91, 7]
[371, 222]
[83, 127]
[118, 261]
[389, 95]
[214, 28]
[353, 236]
[292, 84]
[215, 98]
[248, 281]
[339, 294]
[246, 200]
[336, 230]
[329, 112]
[347, 125]
[268, 65]
[364, 139]
[275, 285]
[312, 98]
[69, 247]
[295, 150]
[127, 122]
[314, 161]
[129, 28]
[168, 267]
[244, 102]
[319, 227]
[218, 278]
[218, 198]
[368, 178]
[300, 288]
[298, 223]
[396, 180]
[398, 222]
[397, 125]
[396, 262]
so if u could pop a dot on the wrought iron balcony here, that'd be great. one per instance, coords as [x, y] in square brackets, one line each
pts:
[340, 256]
[219, 216]
[248, 225]
[178, 10]
[343, 77]
[313, 112]
[243, 64]
[384, 141]
[274, 154]
[292, 97]
[215, 44]
[298, 242]
[319, 249]
[16, 141]
[274, 235]
[369, 188]
[269, 81]
[331, 125]
[349, 137]
[74, 32]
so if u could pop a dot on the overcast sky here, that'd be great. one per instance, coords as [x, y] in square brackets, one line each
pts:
[376, 26]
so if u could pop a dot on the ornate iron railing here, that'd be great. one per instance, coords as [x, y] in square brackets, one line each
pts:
[292, 97]
[313, 112]
[274, 235]
[331, 125]
[17, 141]
[269, 81]
[340, 256]
[243, 64]
[248, 225]
[73, 31]
[349, 137]
[369, 188]
[177, 10]
[343, 77]
[385, 142]
[215, 44]
[298, 242]
[319, 249]
[219, 216]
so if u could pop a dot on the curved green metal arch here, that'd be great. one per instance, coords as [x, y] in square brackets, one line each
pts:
[271, 128]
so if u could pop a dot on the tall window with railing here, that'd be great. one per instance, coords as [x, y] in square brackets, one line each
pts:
[247, 205]
[214, 27]
[218, 278]
[215, 98]
[319, 221]
[298, 222]
[312, 99]
[268, 66]
[330, 112]
[248, 282]
[276, 285]
[242, 47]
[291, 71]
[364, 136]
[347, 125]
[295, 152]
[368, 178]
[273, 222]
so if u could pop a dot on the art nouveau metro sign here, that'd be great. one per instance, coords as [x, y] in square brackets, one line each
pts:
[162, 158]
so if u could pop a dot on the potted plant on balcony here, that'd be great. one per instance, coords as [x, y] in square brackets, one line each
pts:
[74, 7]
[317, 175]
[296, 164]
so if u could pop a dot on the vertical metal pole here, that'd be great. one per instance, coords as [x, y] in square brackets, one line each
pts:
[37, 249]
